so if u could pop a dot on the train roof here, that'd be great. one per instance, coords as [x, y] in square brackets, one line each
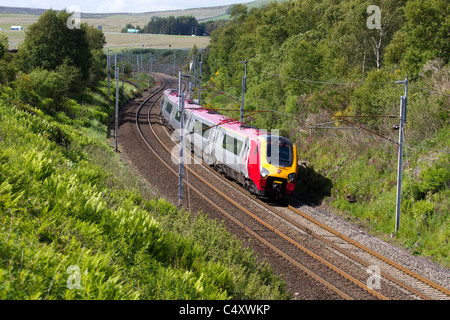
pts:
[217, 118]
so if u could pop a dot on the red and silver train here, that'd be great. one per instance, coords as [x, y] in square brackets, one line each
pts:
[264, 164]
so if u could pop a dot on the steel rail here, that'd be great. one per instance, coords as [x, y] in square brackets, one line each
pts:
[343, 251]
[254, 234]
[334, 246]
[343, 237]
[268, 226]
[379, 256]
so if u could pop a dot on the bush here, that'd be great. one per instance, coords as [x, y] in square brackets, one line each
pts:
[434, 179]
[49, 84]
[75, 205]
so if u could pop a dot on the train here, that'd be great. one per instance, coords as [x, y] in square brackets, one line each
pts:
[265, 164]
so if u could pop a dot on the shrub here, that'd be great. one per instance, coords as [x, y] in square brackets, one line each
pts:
[49, 84]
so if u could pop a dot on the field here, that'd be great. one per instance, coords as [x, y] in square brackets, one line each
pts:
[113, 23]
[154, 41]
[113, 39]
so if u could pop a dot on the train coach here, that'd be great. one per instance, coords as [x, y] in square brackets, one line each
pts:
[265, 164]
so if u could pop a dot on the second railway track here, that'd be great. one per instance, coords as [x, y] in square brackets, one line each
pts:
[336, 265]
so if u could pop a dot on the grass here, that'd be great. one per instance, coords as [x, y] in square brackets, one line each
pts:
[124, 40]
[77, 223]
[155, 41]
[364, 179]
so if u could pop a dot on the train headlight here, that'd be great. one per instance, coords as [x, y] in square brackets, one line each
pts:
[291, 177]
[264, 172]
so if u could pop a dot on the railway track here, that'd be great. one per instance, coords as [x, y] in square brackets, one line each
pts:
[336, 262]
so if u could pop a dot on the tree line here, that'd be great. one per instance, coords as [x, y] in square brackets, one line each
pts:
[182, 25]
[327, 41]
[310, 62]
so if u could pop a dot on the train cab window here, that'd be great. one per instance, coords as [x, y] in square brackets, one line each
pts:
[279, 151]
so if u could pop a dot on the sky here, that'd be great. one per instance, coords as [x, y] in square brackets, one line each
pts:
[112, 6]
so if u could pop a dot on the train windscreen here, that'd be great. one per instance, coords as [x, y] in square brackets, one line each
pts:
[279, 151]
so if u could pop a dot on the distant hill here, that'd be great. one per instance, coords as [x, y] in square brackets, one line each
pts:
[114, 22]
[204, 13]
[199, 13]
[17, 10]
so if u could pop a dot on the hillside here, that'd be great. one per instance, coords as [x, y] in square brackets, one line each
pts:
[333, 85]
[76, 222]
[201, 14]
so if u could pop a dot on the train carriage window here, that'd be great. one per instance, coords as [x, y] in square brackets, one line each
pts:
[177, 116]
[228, 143]
[205, 130]
[224, 142]
[232, 144]
[238, 146]
[197, 127]
[169, 107]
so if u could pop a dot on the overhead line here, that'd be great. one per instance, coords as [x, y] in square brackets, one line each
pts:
[339, 83]
[326, 82]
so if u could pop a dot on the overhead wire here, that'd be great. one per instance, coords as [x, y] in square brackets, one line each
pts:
[333, 83]
[327, 82]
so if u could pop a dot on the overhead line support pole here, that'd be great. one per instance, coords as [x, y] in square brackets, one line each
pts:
[138, 72]
[149, 69]
[181, 111]
[200, 79]
[403, 101]
[117, 99]
[109, 77]
[244, 89]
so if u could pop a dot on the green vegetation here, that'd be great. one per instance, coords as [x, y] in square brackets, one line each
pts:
[77, 223]
[300, 56]
[73, 56]
[181, 25]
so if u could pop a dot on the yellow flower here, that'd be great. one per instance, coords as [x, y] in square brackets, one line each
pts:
[337, 114]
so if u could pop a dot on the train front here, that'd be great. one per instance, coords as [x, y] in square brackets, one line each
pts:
[278, 166]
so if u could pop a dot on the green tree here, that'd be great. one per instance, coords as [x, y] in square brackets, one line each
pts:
[7, 71]
[51, 45]
[426, 33]
[3, 45]
[238, 11]
[48, 84]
